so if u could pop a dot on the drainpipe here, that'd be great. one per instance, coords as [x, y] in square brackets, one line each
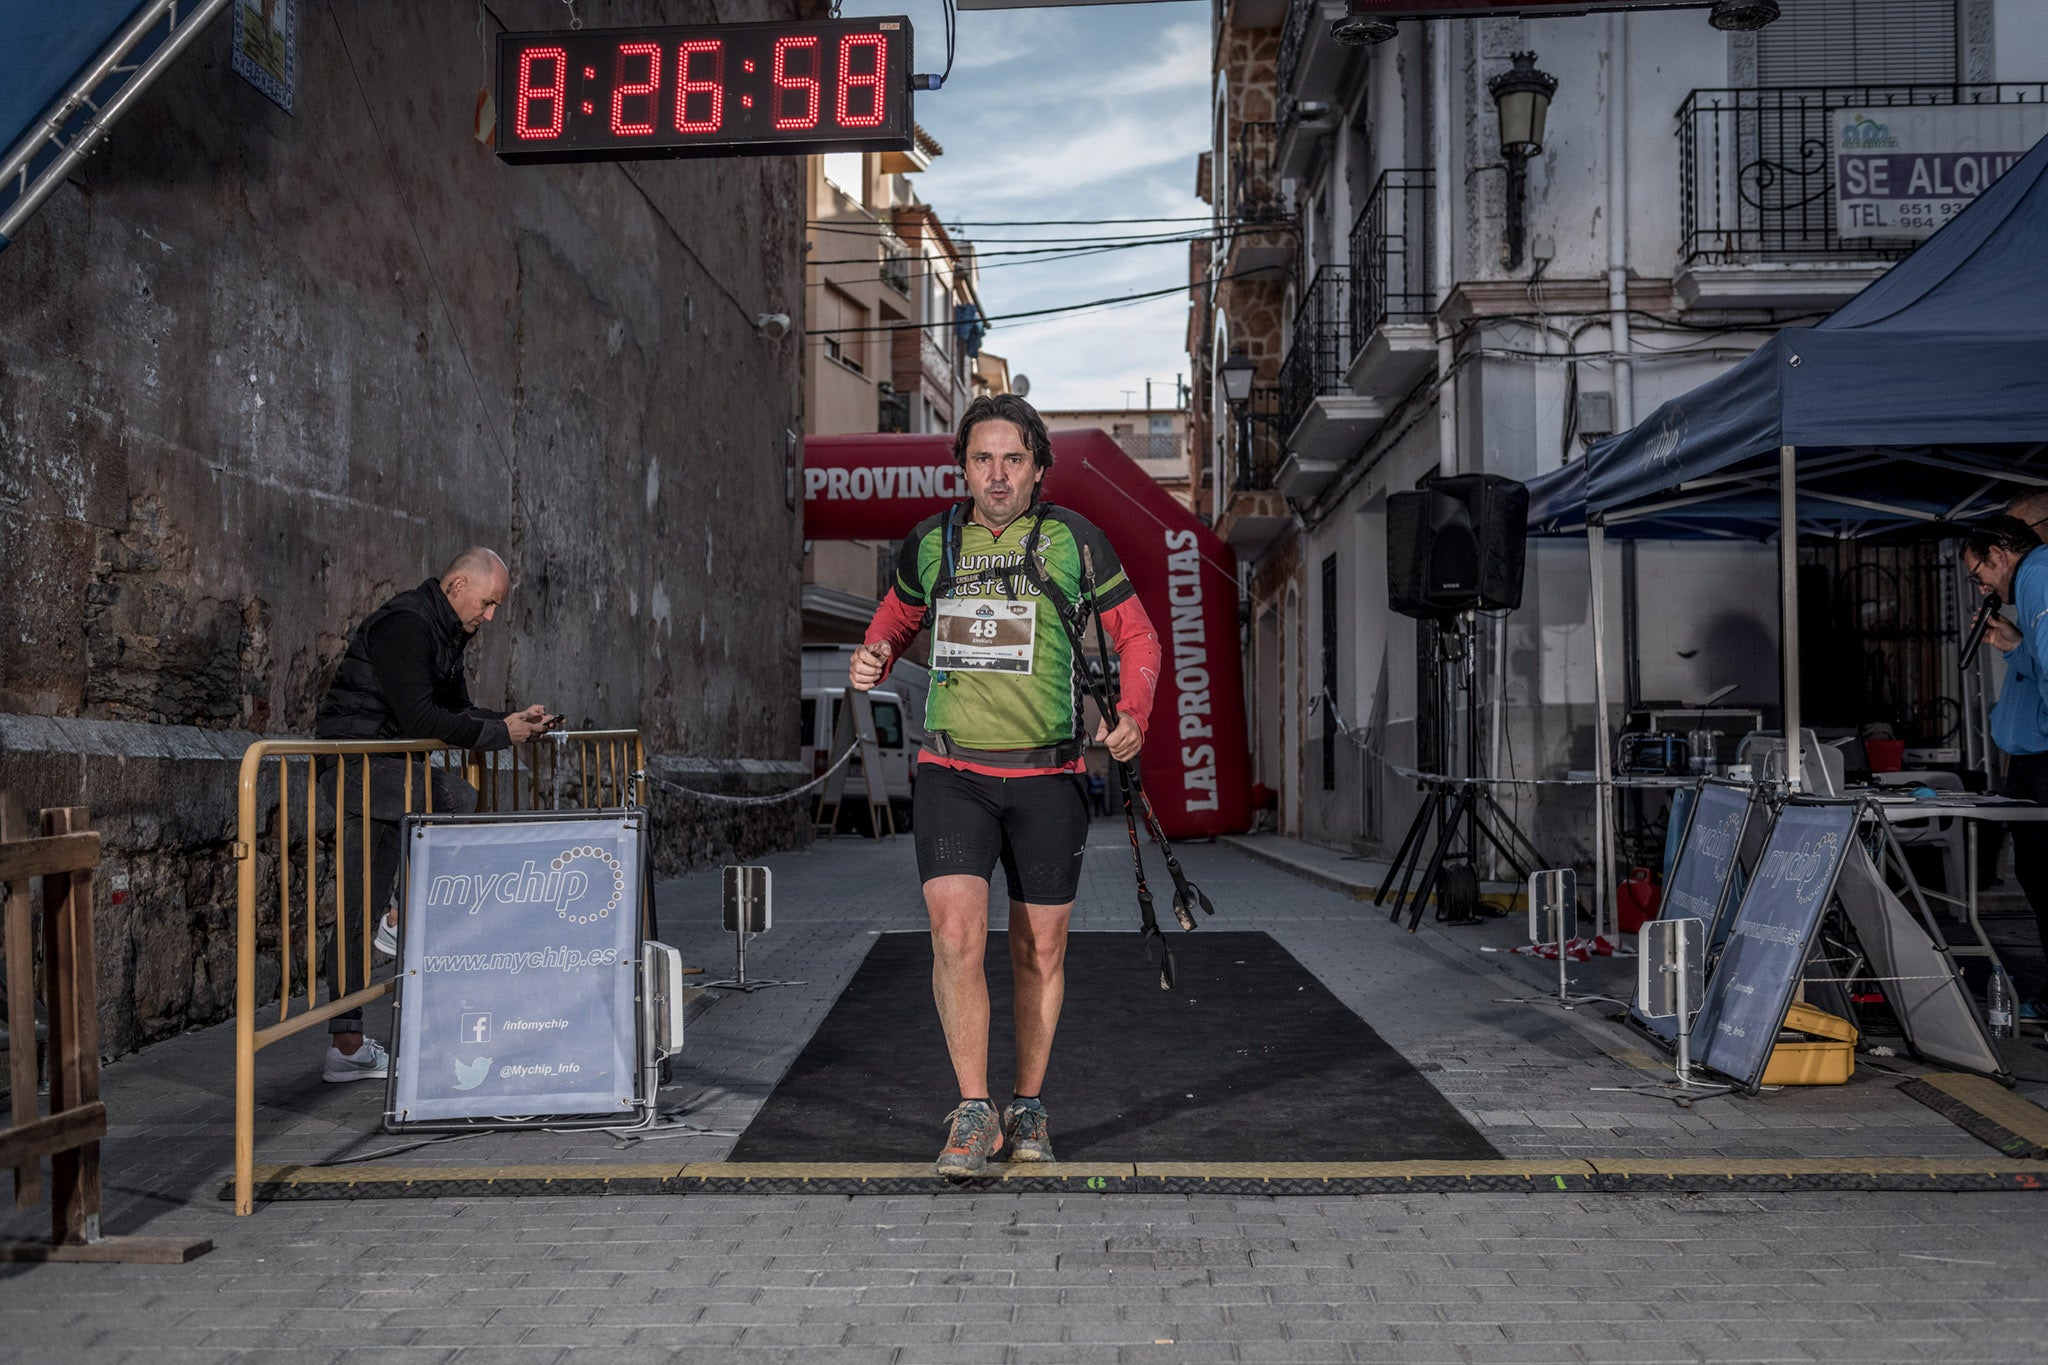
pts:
[1617, 220]
[1440, 248]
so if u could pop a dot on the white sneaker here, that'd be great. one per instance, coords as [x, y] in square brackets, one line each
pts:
[386, 938]
[370, 1062]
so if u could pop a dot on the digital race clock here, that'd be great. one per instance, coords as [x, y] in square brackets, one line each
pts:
[709, 90]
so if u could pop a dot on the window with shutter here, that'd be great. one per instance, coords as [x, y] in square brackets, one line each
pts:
[1860, 42]
[840, 320]
[1821, 55]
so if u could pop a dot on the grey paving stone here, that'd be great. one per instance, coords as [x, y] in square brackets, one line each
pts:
[1030, 1278]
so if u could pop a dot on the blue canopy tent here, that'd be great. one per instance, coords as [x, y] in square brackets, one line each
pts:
[1905, 406]
[1917, 404]
[67, 72]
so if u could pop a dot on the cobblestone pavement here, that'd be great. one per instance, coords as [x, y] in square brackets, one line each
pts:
[960, 1278]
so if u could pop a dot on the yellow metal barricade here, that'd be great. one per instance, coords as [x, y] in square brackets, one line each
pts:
[322, 801]
[586, 769]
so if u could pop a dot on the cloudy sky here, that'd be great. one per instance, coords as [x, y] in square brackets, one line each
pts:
[1094, 111]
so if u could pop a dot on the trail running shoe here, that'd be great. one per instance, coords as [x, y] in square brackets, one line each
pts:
[1027, 1132]
[370, 1062]
[385, 941]
[973, 1139]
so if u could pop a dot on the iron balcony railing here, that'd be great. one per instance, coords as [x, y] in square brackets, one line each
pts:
[1254, 179]
[896, 266]
[1756, 169]
[1391, 257]
[1258, 440]
[1301, 16]
[1148, 445]
[1320, 351]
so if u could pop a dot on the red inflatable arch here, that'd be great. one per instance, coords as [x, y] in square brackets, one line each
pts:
[1196, 762]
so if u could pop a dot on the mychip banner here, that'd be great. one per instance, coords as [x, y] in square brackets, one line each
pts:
[1903, 171]
[516, 997]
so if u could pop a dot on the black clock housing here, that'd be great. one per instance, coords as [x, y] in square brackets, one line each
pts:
[775, 89]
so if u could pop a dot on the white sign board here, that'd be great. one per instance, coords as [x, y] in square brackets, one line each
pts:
[1903, 171]
[517, 988]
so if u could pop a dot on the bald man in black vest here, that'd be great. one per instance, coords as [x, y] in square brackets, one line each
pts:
[402, 678]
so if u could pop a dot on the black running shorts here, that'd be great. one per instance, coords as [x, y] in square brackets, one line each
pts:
[1036, 826]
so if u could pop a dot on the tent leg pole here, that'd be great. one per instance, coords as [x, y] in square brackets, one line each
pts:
[1788, 611]
[1603, 771]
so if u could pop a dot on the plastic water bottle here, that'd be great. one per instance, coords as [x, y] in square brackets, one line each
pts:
[1998, 1004]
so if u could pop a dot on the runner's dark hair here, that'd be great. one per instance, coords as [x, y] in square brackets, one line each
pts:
[1005, 407]
[2000, 533]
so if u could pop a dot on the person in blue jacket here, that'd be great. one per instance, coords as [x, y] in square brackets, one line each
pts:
[2003, 555]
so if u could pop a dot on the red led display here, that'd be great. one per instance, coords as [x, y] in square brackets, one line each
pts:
[637, 58]
[710, 83]
[796, 94]
[534, 91]
[708, 90]
[871, 78]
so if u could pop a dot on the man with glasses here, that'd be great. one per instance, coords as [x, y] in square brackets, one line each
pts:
[2002, 555]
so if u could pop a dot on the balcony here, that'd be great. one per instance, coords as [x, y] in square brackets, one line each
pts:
[1393, 296]
[1253, 511]
[1254, 187]
[1261, 231]
[1147, 445]
[1757, 210]
[896, 265]
[1253, 14]
[1323, 419]
[1311, 61]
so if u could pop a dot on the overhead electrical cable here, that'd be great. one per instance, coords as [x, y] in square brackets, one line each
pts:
[1030, 222]
[1110, 302]
[1091, 239]
[1046, 255]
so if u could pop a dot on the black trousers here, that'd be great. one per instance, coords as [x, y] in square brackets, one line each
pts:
[2026, 777]
[386, 833]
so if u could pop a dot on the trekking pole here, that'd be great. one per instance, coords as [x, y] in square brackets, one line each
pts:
[1187, 897]
[1149, 933]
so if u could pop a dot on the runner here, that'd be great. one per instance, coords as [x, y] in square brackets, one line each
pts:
[1001, 777]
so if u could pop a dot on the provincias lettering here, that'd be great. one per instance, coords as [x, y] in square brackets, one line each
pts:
[1194, 711]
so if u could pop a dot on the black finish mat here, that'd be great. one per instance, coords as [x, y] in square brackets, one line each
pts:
[1252, 1059]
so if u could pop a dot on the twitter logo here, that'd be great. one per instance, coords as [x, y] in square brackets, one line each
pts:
[471, 1076]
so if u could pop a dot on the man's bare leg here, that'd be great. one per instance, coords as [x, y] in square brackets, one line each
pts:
[1038, 957]
[958, 907]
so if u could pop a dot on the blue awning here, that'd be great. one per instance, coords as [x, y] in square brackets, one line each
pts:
[43, 48]
[1921, 402]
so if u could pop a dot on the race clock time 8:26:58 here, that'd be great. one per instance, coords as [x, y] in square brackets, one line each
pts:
[836, 85]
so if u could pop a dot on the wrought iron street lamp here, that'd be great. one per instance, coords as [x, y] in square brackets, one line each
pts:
[1521, 95]
[1237, 374]
[1237, 379]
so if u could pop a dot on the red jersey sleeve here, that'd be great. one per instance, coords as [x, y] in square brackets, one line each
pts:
[896, 623]
[1138, 653]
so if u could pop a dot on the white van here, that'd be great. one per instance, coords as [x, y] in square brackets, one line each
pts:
[899, 728]
[820, 724]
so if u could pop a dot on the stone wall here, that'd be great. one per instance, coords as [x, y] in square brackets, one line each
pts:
[258, 371]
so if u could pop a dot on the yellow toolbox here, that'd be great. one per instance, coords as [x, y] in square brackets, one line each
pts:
[1825, 1056]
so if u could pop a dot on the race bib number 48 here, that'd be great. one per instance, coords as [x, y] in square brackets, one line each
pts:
[977, 635]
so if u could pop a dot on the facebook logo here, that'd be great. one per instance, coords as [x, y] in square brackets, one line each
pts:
[476, 1028]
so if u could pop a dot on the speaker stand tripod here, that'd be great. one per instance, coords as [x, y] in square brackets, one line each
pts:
[1460, 810]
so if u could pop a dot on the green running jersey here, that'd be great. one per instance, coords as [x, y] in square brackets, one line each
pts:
[1004, 674]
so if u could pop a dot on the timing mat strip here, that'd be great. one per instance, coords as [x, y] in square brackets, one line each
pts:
[1599, 1175]
[1985, 1110]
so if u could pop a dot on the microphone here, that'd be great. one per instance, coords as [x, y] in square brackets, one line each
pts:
[1987, 612]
